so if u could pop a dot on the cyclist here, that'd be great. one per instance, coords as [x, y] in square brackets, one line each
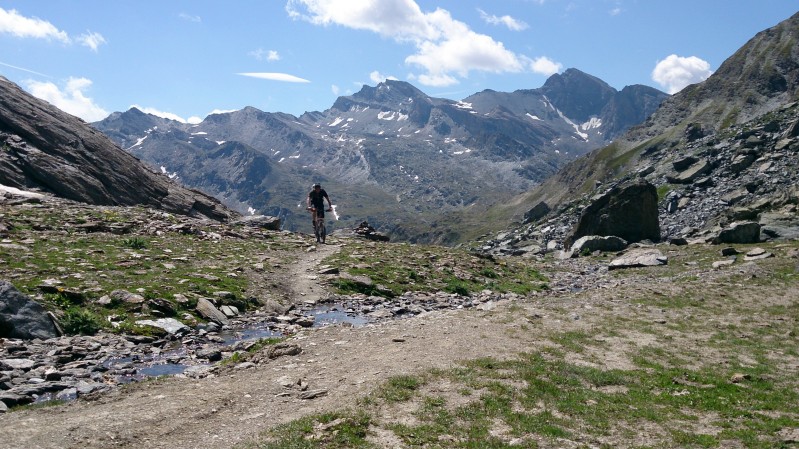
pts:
[316, 204]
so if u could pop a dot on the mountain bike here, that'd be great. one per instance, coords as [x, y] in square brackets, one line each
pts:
[319, 229]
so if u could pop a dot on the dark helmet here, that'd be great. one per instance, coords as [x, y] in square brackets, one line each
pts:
[317, 185]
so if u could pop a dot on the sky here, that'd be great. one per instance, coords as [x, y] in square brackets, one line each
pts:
[186, 59]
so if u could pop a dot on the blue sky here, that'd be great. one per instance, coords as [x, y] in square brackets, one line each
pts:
[187, 59]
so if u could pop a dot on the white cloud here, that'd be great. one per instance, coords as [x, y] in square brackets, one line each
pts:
[545, 66]
[508, 21]
[275, 77]
[676, 72]
[445, 48]
[335, 89]
[378, 77]
[71, 99]
[91, 40]
[190, 18]
[222, 111]
[193, 120]
[12, 22]
[159, 113]
[261, 54]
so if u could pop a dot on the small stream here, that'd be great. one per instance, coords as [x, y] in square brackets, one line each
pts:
[170, 361]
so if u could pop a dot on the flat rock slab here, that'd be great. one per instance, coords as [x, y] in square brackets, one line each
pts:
[170, 325]
[757, 254]
[639, 258]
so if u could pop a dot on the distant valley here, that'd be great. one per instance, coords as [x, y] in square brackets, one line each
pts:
[389, 154]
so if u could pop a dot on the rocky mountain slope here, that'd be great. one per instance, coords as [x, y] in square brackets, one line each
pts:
[47, 149]
[718, 152]
[389, 154]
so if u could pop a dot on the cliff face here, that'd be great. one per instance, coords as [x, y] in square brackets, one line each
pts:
[47, 149]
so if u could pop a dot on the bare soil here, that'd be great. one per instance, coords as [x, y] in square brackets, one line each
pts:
[236, 405]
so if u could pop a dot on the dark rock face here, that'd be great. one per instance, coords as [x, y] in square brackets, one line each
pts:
[21, 317]
[628, 211]
[48, 149]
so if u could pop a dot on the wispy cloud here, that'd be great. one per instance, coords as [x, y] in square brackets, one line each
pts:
[446, 49]
[70, 98]
[91, 40]
[508, 21]
[261, 54]
[378, 77]
[545, 66]
[189, 18]
[676, 72]
[275, 77]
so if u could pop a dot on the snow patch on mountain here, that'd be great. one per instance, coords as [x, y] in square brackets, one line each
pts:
[594, 123]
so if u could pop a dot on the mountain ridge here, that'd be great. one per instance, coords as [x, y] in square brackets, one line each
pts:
[406, 157]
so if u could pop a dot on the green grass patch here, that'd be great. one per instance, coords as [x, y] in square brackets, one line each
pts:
[327, 430]
[400, 268]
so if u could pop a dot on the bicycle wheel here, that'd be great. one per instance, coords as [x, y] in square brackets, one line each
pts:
[322, 231]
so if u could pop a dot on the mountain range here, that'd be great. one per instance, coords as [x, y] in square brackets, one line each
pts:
[390, 154]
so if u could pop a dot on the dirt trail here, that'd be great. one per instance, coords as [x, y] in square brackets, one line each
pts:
[303, 276]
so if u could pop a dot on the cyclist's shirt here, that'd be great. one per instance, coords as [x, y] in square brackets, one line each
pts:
[317, 199]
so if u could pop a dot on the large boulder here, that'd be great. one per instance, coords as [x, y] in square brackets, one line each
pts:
[22, 317]
[628, 211]
[741, 232]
